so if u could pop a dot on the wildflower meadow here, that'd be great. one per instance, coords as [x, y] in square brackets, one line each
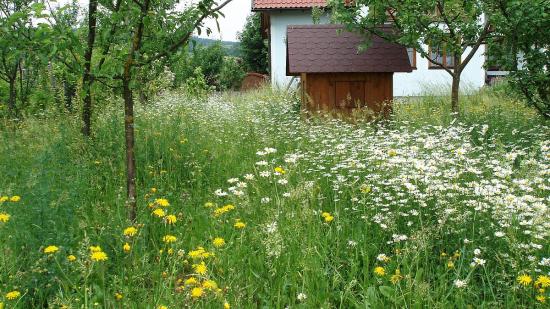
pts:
[244, 201]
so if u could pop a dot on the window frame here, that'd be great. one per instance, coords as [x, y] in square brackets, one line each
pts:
[433, 66]
[412, 59]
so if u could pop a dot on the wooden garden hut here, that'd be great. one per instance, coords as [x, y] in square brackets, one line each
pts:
[336, 75]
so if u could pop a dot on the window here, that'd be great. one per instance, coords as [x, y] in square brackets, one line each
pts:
[412, 56]
[439, 54]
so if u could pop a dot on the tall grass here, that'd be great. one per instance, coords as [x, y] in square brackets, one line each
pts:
[421, 211]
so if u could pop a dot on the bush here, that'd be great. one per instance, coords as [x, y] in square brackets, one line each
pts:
[232, 74]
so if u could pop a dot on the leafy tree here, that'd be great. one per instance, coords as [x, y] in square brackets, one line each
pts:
[210, 59]
[231, 74]
[16, 38]
[455, 28]
[522, 47]
[157, 30]
[253, 46]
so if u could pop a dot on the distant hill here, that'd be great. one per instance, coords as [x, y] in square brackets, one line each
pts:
[231, 47]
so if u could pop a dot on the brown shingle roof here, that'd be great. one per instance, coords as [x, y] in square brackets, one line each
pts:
[287, 4]
[321, 49]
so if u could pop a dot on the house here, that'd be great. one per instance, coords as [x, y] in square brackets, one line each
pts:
[278, 15]
[335, 76]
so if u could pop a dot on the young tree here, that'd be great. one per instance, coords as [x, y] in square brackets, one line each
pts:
[253, 47]
[87, 80]
[454, 28]
[15, 43]
[522, 46]
[158, 30]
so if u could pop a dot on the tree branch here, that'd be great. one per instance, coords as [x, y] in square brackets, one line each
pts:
[183, 40]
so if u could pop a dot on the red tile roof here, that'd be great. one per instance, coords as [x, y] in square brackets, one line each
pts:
[322, 49]
[287, 4]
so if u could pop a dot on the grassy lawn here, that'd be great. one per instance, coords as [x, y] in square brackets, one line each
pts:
[421, 211]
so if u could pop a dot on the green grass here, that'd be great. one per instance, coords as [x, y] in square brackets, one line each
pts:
[435, 180]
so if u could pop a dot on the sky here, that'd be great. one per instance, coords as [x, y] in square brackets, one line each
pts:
[233, 22]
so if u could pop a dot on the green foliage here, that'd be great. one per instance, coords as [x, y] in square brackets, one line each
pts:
[210, 59]
[231, 74]
[219, 70]
[253, 46]
[522, 46]
[73, 196]
[196, 86]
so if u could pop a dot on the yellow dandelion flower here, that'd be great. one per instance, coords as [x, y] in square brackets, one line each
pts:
[226, 305]
[191, 281]
[118, 296]
[4, 217]
[171, 219]
[126, 247]
[95, 249]
[392, 152]
[379, 271]
[51, 249]
[279, 170]
[396, 277]
[221, 210]
[162, 307]
[201, 268]
[196, 292]
[209, 204]
[15, 198]
[218, 242]
[98, 256]
[543, 281]
[524, 279]
[153, 190]
[210, 285]
[169, 239]
[71, 258]
[130, 231]
[13, 295]
[329, 219]
[450, 264]
[195, 254]
[159, 212]
[162, 202]
[365, 189]
[239, 225]
[3, 199]
[541, 299]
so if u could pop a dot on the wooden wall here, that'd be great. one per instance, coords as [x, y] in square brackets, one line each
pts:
[347, 91]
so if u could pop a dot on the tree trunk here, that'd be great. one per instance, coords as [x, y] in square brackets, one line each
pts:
[127, 93]
[13, 96]
[69, 93]
[87, 80]
[130, 153]
[454, 93]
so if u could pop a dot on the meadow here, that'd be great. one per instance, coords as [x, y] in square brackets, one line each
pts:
[245, 202]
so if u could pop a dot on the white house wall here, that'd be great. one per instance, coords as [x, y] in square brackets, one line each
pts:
[416, 83]
[424, 80]
[279, 22]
